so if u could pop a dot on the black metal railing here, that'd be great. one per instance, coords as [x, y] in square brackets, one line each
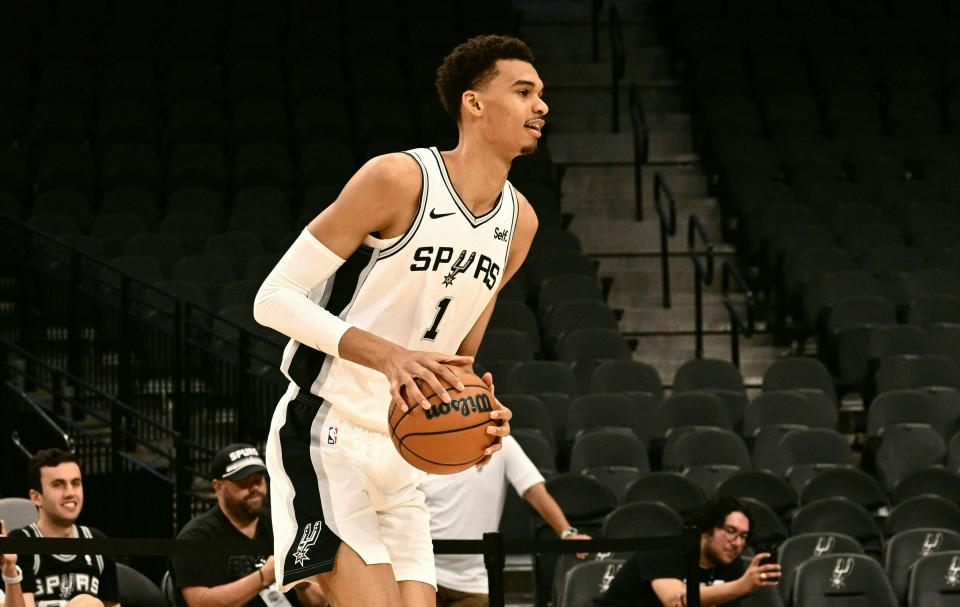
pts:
[668, 229]
[211, 378]
[123, 452]
[702, 274]
[493, 546]
[618, 62]
[741, 323]
[596, 6]
[641, 145]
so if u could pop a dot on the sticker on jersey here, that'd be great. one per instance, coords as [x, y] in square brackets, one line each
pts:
[311, 533]
[332, 435]
[459, 268]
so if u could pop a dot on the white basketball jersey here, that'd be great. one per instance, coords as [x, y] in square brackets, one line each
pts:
[423, 290]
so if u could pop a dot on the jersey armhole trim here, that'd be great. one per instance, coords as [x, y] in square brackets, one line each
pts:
[424, 192]
[513, 226]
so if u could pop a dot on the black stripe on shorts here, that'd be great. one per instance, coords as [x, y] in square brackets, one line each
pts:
[315, 544]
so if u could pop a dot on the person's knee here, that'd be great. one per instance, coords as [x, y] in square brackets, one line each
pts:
[85, 600]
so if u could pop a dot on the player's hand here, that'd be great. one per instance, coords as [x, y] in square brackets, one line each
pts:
[680, 600]
[760, 574]
[407, 366]
[8, 562]
[501, 429]
[579, 536]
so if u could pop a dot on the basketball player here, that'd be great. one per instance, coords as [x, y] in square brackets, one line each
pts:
[393, 283]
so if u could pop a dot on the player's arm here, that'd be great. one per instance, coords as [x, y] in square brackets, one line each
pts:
[381, 197]
[522, 239]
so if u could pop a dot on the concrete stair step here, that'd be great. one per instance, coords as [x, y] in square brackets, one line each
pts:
[680, 317]
[573, 11]
[551, 42]
[618, 235]
[592, 148]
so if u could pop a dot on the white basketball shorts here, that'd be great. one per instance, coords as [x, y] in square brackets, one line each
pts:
[331, 482]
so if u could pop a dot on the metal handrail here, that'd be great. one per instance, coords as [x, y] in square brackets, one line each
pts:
[641, 145]
[43, 415]
[15, 439]
[738, 324]
[595, 7]
[618, 62]
[702, 275]
[668, 228]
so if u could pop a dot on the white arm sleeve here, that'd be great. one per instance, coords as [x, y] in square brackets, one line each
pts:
[283, 301]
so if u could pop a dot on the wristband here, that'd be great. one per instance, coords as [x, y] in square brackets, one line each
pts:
[568, 532]
[15, 579]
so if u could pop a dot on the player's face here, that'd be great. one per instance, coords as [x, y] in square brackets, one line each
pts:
[62, 496]
[725, 543]
[513, 106]
[245, 498]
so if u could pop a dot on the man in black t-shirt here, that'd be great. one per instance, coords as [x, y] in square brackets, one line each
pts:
[58, 580]
[239, 479]
[657, 578]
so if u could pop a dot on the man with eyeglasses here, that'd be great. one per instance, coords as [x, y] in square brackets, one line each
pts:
[657, 578]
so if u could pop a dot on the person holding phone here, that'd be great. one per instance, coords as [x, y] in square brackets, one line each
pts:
[657, 578]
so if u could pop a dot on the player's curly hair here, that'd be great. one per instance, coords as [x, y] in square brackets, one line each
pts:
[472, 64]
[46, 458]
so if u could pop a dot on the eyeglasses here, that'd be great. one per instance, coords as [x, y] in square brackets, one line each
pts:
[732, 534]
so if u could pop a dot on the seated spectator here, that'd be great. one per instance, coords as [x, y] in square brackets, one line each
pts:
[655, 578]
[63, 580]
[239, 480]
[468, 504]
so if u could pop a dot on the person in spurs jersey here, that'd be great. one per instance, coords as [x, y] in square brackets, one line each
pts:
[394, 282]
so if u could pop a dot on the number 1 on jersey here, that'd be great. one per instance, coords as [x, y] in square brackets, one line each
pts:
[431, 333]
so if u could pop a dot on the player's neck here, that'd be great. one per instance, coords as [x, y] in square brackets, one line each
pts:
[477, 173]
[50, 529]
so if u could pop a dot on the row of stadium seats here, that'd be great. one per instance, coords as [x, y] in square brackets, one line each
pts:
[829, 518]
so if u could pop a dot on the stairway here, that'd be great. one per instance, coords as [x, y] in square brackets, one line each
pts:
[598, 185]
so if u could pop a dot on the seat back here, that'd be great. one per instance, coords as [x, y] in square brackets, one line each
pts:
[17, 512]
[844, 578]
[797, 549]
[136, 589]
[935, 580]
[586, 582]
[904, 549]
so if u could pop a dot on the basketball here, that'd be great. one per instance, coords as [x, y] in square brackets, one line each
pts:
[447, 437]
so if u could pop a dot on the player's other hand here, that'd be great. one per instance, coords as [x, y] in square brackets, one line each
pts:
[407, 366]
[502, 428]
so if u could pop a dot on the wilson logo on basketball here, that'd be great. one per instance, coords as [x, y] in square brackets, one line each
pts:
[465, 406]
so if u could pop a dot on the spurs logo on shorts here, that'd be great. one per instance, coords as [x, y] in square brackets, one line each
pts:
[310, 534]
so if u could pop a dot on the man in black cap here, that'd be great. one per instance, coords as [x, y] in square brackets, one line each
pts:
[239, 480]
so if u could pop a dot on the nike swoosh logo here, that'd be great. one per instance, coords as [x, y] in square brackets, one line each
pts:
[435, 215]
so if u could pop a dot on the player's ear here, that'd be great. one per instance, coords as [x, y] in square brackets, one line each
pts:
[34, 496]
[471, 102]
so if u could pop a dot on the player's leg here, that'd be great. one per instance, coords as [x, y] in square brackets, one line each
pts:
[404, 523]
[85, 600]
[418, 594]
[353, 583]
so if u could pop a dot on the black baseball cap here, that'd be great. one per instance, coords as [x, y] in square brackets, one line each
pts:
[236, 462]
